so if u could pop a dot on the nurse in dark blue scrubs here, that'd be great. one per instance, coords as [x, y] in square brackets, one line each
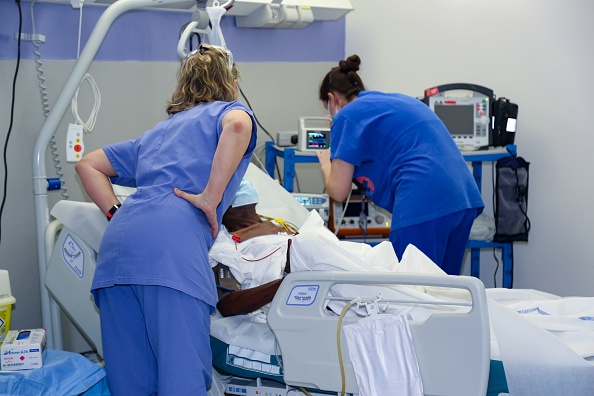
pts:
[405, 159]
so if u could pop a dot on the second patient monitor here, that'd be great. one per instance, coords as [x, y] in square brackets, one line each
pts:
[314, 133]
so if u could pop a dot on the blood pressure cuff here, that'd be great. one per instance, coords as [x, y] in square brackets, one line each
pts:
[511, 200]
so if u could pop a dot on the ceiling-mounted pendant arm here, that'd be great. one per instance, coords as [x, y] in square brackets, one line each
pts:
[199, 25]
[215, 13]
[227, 4]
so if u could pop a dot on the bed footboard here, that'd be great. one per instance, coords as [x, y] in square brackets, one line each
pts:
[453, 346]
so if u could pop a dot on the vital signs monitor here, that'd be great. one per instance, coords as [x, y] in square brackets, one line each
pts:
[465, 109]
[314, 133]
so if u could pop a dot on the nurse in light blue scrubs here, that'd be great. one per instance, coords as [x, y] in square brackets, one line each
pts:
[153, 283]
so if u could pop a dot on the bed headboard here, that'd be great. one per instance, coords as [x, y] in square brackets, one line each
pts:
[453, 349]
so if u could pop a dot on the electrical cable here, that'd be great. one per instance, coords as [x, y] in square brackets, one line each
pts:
[494, 215]
[346, 204]
[90, 123]
[256, 118]
[190, 41]
[496, 268]
[14, 80]
[280, 179]
[363, 217]
[45, 108]
[256, 156]
[298, 187]
[191, 37]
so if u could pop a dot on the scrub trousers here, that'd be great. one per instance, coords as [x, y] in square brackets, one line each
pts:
[155, 341]
[443, 240]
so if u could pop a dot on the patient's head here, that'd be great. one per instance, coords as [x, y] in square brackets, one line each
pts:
[246, 194]
[242, 212]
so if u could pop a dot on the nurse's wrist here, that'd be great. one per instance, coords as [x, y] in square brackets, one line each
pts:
[109, 214]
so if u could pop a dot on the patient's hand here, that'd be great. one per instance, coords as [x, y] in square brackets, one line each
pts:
[258, 229]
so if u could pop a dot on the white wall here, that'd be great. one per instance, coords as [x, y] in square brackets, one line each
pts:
[539, 54]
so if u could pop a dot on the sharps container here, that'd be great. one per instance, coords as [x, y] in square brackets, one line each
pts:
[6, 301]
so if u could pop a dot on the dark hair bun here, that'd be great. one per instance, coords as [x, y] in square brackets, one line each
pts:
[351, 64]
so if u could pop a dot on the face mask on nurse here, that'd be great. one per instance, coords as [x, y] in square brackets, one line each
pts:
[332, 98]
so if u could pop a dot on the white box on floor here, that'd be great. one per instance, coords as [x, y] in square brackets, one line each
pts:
[23, 349]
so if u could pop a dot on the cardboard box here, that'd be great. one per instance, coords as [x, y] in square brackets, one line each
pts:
[23, 349]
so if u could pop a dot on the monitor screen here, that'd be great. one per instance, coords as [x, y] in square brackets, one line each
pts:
[355, 208]
[304, 200]
[459, 119]
[318, 139]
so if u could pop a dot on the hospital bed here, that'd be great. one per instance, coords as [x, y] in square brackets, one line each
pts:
[460, 347]
[459, 368]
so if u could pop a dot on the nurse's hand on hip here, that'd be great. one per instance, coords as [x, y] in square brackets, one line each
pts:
[202, 202]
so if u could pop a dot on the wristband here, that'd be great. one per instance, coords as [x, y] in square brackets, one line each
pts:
[112, 211]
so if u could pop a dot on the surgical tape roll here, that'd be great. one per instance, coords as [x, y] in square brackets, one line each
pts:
[383, 356]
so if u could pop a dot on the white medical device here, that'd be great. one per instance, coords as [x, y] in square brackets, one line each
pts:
[318, 202]
[313, 133]
[465, 109]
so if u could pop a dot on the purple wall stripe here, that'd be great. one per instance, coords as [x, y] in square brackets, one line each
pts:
[151, 36]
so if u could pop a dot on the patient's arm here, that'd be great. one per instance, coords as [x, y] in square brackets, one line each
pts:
[241, 302]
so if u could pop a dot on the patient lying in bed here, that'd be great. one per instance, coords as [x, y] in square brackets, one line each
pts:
[251, 256]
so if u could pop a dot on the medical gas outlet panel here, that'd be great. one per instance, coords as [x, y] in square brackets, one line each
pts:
[359, 217]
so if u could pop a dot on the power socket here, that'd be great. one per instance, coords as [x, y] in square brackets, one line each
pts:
[39, 38]
[75, 147]
[286, 139]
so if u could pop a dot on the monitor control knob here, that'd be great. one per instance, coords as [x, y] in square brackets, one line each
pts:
[379, 219]
[484, 120]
